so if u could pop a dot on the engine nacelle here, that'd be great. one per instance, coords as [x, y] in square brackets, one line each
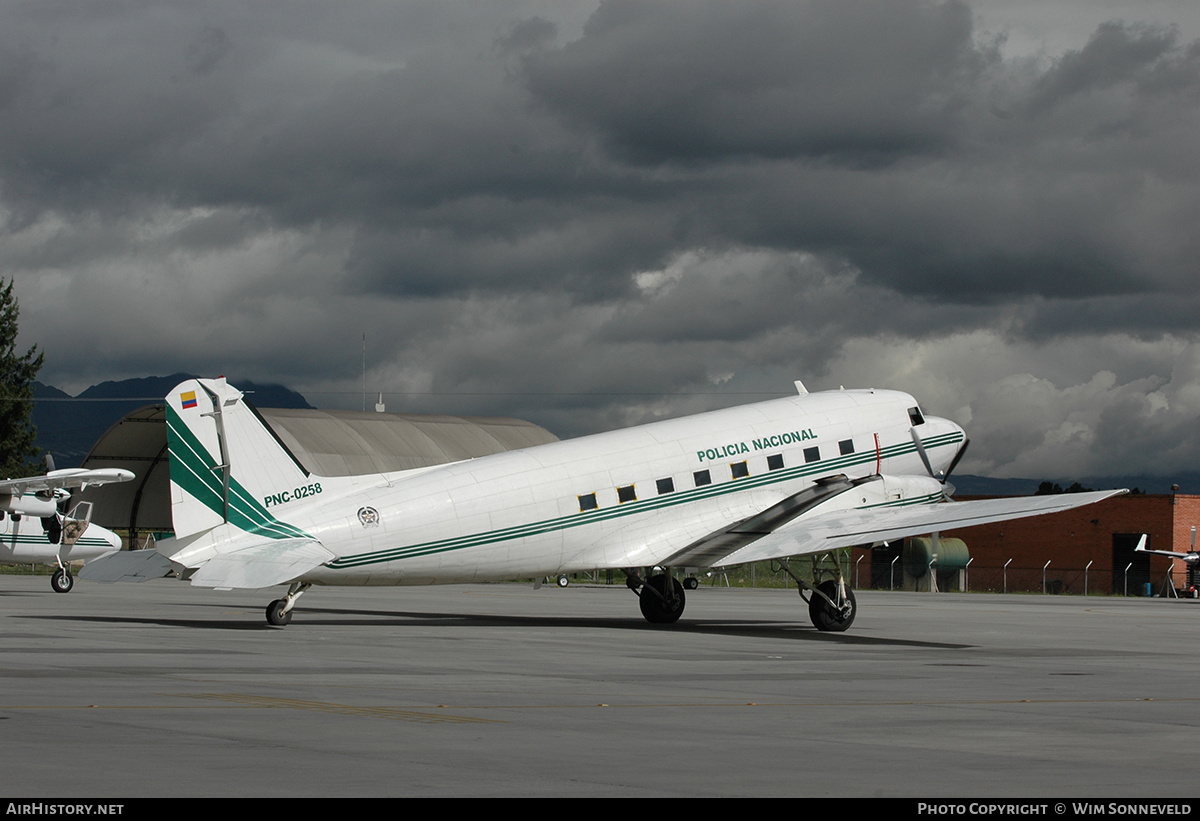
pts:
[28, 505]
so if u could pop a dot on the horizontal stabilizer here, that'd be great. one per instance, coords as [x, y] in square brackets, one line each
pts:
[128, 566]
[264, 563]
[847, 528]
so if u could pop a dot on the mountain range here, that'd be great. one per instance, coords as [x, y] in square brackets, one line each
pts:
[68, 426]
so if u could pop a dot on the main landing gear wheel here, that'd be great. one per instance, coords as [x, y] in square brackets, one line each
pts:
[828, 617]
[691, 583]
[659, 606]
[278, 613]
[563, 581]
[62, 581]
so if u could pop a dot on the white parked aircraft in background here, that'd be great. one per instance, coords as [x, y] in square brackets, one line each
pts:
[790, 477]
[34, 529]
[1191, 557]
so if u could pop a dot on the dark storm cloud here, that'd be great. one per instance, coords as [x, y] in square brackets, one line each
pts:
[737, 297]
[1044, 320]
[871, 131]
[1116, 54]
[699, 82]
[579, 205]
[493, 158]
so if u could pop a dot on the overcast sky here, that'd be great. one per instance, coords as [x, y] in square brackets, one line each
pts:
[595, 214]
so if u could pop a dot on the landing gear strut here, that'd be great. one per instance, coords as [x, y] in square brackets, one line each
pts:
[279, 612]
[660, 596]
[831, 604]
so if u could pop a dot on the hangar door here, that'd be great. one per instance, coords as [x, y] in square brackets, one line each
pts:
[1135, 578]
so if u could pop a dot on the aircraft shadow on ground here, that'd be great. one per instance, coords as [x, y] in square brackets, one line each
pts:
[327, 616]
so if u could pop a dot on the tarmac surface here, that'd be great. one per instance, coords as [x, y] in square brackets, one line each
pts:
[159, 689]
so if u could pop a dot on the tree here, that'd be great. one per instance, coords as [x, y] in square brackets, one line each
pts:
[1049, 488]
[18, 449]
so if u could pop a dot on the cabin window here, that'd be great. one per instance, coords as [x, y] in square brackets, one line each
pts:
[587, 502]
[846, 446]
[702, 477]
[626, 494]
[775, 461]
[812, 455]
[915, 416]
[739, 470]
[665, 485]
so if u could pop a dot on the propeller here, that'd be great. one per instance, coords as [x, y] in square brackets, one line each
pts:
[47, 494]
[916, 437]
[954, 462]
[941, 476]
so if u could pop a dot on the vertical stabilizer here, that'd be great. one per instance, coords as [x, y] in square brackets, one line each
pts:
[227, 466]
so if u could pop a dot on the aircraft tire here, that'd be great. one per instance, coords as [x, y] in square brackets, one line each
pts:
[825, 617]
[563, 581]
[62, 581]
[656, 608]
[691, 583]
[277, 615]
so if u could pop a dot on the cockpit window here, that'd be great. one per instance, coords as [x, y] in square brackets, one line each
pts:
[915, 416]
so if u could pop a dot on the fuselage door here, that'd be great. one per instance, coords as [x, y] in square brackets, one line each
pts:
[76, 522]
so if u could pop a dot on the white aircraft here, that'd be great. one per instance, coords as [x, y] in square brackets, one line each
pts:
[34, 529]
[1191, 557]
[803, 475]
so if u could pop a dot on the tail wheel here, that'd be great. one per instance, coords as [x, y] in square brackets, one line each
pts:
[658, 605]
[828, 617]
[278, 613]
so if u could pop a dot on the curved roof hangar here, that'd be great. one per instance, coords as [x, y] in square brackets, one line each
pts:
[326, 442]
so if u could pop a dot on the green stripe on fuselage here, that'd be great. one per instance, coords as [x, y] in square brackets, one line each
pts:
[823, 467]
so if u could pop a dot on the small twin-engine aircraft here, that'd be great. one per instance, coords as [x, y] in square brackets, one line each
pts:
[36, 529]
[791, 477]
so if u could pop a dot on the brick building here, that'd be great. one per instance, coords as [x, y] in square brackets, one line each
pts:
[1090, 548]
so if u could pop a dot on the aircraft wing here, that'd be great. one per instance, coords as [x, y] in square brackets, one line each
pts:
[845, 528]
[67, 477]
[262, 563]
[706, 551]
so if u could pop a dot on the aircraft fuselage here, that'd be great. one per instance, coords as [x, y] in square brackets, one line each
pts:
[24, 540]
[626, 498]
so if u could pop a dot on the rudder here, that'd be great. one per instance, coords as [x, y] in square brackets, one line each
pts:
[226, 465]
